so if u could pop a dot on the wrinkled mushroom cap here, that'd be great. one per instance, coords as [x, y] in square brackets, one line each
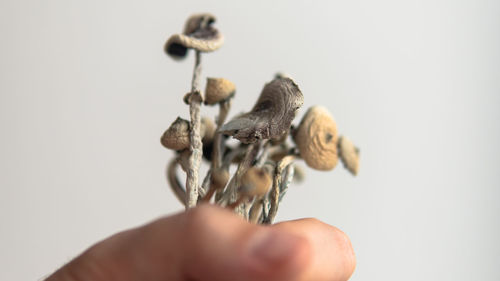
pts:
[255, 182]
[176, 137]
[271, 116]
[316, 137]
[218, 89]
[199, 34]
[349, 154]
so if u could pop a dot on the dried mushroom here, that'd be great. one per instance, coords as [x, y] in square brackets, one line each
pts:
[176, 137]
[316, 138]
[349, 154]
[199, 34]
[271, 116]
[251, 176]
[218, 90]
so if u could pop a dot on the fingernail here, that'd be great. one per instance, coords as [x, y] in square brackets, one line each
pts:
[271, 247]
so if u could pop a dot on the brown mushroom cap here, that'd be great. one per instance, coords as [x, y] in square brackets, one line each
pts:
[349, 154]
[316, 137]
[199, 34]
[176, 137]
[255, 182]
[219, 178]
[218, 89]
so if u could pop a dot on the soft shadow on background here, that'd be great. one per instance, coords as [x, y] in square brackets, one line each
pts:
[86, 92]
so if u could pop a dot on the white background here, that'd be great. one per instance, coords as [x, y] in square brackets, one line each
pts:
[86, 92]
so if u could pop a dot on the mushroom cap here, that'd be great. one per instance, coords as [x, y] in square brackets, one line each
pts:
[207, 130]
[219, 178]
[176, 137]
[349, 154]
[316, 137]
[255, 182]
[271, 116]
[199, 34]
[218, 89]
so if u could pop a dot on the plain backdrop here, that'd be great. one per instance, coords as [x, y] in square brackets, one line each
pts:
[86, 92]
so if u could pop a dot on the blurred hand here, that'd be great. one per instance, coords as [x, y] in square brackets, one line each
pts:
[211, 243]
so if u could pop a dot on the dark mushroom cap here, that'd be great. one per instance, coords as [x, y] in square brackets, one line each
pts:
[218, 89]
[199, 34]
[349, 154]
[271, 116]
[316, 138]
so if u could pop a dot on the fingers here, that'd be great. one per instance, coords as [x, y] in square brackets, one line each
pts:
[217, 245]
[211, 243]
[332, 254]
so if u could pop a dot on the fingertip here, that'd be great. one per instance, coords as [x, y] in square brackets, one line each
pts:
[272, 254]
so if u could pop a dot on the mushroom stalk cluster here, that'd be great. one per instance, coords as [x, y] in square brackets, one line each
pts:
[265, 157]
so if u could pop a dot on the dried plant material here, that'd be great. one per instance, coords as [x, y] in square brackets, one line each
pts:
[316, 138]
[176, 137]
[207, 130]
[218, 180]
[255, 182]
[199, 34]
[349, 154]
[265, 156]
[274, 194]
[218, 90]
[271, 116]
[174, 182]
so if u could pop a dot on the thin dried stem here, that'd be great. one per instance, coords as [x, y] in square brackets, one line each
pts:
[274, 195]
[195, 146]
[174, 182]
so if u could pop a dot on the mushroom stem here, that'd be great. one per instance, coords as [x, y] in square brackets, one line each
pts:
[174, 182]
[195, 146]
[274, 194]
[224, 107]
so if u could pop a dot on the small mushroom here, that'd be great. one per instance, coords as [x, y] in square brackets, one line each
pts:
[207, 130]
[255, 182]
[316, 139]
[349, 154]
[271, 116]
[199, 34]
[218, 90]
[176, 137]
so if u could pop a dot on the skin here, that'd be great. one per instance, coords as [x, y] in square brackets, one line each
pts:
[211, 243]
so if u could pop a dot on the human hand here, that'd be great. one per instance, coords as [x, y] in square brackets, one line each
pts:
[211, 243]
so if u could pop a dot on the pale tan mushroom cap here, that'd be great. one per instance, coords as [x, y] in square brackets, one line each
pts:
[207, 129]
[190, 42]
[176, 137]
[255, 182]
[218, 89]
[316, 137]
[349, 155]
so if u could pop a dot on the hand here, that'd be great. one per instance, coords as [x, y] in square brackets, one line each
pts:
[211, 243]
